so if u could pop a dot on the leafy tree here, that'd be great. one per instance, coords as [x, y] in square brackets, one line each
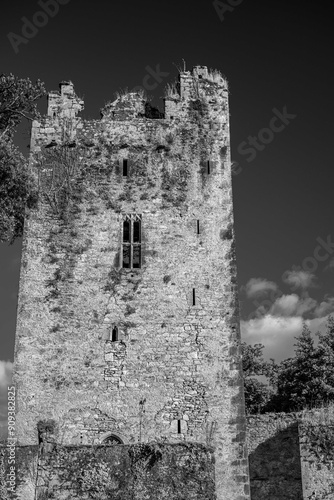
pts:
[257, 394]
[304, 381]
[307, 380]
[297, 386]
[18, 100]
[325, 362]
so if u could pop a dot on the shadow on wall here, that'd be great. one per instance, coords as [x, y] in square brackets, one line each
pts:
[275, 467]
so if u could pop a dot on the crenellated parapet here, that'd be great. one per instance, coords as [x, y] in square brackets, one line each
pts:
[61, 123]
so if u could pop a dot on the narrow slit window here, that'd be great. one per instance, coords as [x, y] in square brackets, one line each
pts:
[194, 297]
[198, 229]
[208, 166]
[125, 168]
[114, 334]
[179, 426]
[132, 241]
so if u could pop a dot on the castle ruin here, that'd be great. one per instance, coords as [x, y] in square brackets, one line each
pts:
[127, 334]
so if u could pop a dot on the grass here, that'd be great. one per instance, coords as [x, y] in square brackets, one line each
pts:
[121, 93]
[171, 91]
[217, 77]
[320, 415]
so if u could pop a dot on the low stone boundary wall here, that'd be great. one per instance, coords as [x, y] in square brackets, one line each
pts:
[117, 472]
[291, 455]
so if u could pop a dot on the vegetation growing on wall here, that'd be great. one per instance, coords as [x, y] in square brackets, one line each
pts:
[320, 441]
[3, 488]
[145, 456]
[60, 177]
[122, 472]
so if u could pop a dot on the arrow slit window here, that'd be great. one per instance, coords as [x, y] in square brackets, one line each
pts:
[132, 241]
[125, 167]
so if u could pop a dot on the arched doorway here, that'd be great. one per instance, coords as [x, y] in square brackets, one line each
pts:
[112, 439]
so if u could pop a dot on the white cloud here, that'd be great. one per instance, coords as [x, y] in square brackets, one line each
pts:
[299, 279]
[269, 328]
[325, 307]
[285, 305]
[258, 286]
[278, 318]
[275, 333]
[278, 334]
[292, 305]
[6, 369]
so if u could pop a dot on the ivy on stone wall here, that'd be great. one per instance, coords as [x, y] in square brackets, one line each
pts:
[71, 173]
[320, 439]
[145, 456]
[59, 175]
[3, 488]
[124, 472]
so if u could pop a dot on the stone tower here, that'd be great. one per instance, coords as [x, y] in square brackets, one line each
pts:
[127, 328]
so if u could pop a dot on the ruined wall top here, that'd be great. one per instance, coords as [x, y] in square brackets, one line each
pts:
[192, 85]
[65, 103]
[198, 97]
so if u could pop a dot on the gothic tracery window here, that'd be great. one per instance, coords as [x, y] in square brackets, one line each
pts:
[112, 439]
[132, 241]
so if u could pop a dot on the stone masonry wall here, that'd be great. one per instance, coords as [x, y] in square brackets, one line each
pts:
[118, 472]
[274, 457]
[18, 477]
[316, 437]
[291, 456]
[127, 472]
[174, 373]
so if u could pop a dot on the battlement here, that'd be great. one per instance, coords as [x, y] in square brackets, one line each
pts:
[200, 84]
[199, 98]
[65, 103]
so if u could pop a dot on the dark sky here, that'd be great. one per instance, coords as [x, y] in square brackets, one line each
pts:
[278, 59]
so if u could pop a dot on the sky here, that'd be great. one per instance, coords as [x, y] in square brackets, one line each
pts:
[277, 57]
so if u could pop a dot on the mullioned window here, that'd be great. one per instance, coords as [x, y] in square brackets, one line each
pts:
[131, 246]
